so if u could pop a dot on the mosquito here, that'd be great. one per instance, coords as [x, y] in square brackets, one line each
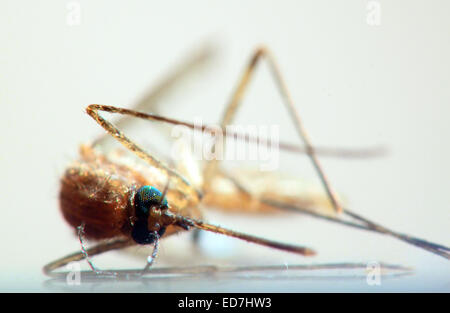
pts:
[122, 206]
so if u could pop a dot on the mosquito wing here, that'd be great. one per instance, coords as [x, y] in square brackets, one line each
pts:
[240, 191]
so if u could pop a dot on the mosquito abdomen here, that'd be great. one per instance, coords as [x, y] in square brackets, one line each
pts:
[91, 196]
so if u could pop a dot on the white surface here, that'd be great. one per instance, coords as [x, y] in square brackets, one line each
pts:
[354, 84]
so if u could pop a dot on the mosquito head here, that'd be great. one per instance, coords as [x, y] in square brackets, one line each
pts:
[150, 206]
[148, 198]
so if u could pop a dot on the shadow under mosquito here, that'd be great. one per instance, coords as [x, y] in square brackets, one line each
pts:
[212, 274]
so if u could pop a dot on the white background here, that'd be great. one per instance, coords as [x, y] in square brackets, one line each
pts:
[356, 85]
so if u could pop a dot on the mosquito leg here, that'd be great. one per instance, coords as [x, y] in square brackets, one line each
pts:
[151, 258]
[96, 270]
[190, 222]
[116, 244]
[357, 221]
[236, 100]
[80, 230]
[180, 181]
[432, 247]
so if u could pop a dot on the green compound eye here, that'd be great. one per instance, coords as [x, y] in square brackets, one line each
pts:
[147, 197]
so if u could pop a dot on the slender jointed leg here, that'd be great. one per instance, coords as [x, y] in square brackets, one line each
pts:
[80, 230]
[115, 244]
[236, 100]
[93, 109]
[151, 258]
